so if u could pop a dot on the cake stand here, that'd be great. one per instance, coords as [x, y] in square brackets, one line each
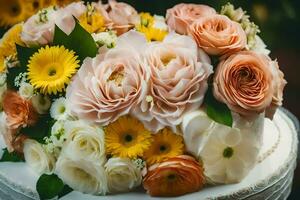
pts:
[270, 179]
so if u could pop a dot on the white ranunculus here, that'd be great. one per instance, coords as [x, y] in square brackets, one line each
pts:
[84, 142]
[81, 175]
[37, 158]
[228, 154]
[26, 90]
[122, 175]
[41, 103]
[260, 47]
[59, 109]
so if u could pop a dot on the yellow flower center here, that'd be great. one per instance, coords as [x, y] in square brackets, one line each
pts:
[166, 59]
[117, 76]
[228, 152]
[163, 148]
[129, 139]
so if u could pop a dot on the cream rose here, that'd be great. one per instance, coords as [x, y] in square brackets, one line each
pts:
[247, 83]
[107, 86]
[179, 73]
[81, 175]
[37, 157]
[84, 142]
[218, 35]
[182, 15]
[122, 175]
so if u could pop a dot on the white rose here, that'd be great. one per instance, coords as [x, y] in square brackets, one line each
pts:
[37, 158]
[26, 90]
[41, 103]
[81, 175]
[59, 109]
[122, 175]
[84, 141]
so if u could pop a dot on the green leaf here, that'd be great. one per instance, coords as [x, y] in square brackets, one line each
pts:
[79, 41]
[11, 157]
[216, 110]
[65, 191]
[40, 130]
[49, 186]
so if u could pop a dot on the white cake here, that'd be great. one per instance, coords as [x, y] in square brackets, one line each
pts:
[266, 181]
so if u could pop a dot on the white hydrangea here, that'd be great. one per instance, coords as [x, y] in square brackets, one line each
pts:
[105, 38]
[26, 90]
[59, 109]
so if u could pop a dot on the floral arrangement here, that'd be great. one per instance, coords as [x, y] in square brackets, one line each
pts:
[101, 99]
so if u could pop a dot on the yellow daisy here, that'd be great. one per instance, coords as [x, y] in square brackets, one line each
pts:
[166, 144]
[36, 5]
[13, 12]
[8, 45]
[51, 68]
[92, 21]
[127, 137]
[64, 2]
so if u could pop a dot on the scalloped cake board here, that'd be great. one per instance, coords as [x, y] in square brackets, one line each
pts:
[270, 179]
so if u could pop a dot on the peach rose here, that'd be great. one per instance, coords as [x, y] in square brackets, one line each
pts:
[218, 35]
[176, 176]
[123, 17]
[178, 82]
[19, 112]
[248, 83]
[107, 86]
[182, 15]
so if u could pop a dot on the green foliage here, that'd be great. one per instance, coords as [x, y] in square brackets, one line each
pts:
[49, 186]
[216, 110]
[80, 41]
[11, 157]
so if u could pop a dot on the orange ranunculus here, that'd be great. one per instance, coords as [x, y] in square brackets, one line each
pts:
[218, 35]
[176, 176]
[19, 111]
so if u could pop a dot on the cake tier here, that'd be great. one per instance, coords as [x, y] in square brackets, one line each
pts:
[270, 179]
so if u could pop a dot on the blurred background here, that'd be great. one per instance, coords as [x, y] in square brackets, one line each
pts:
[279, 22]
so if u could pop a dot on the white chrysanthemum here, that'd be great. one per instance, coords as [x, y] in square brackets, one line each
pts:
[37, 158]
[41, 103]
[81, 175]
[260, 47]
[122, 175]
[26, 90]
[59, 109]
[160, 23]
[108, 39]
[228, 154]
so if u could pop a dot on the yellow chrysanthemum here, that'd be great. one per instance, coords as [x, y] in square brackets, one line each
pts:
[166, 144]
[51, 68]
[36, 5]
[8, 44]
[13, 12]
[127, 137]
[92, 22]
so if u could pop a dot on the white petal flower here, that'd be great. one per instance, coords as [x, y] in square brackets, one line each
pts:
[37, 158]
[59, 109]
[122, 175]
[41, 103]
[260, 47]
[108, 39]
[228, 154]
[84, 141]
[26, 90]
[160, 23]
[81, 175]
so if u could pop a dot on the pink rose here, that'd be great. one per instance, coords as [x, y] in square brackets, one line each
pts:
[248, 83]
[122, 16]
[182, 15]
[218, 35]
[107, 86]
[38, 30]
[177, 84]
